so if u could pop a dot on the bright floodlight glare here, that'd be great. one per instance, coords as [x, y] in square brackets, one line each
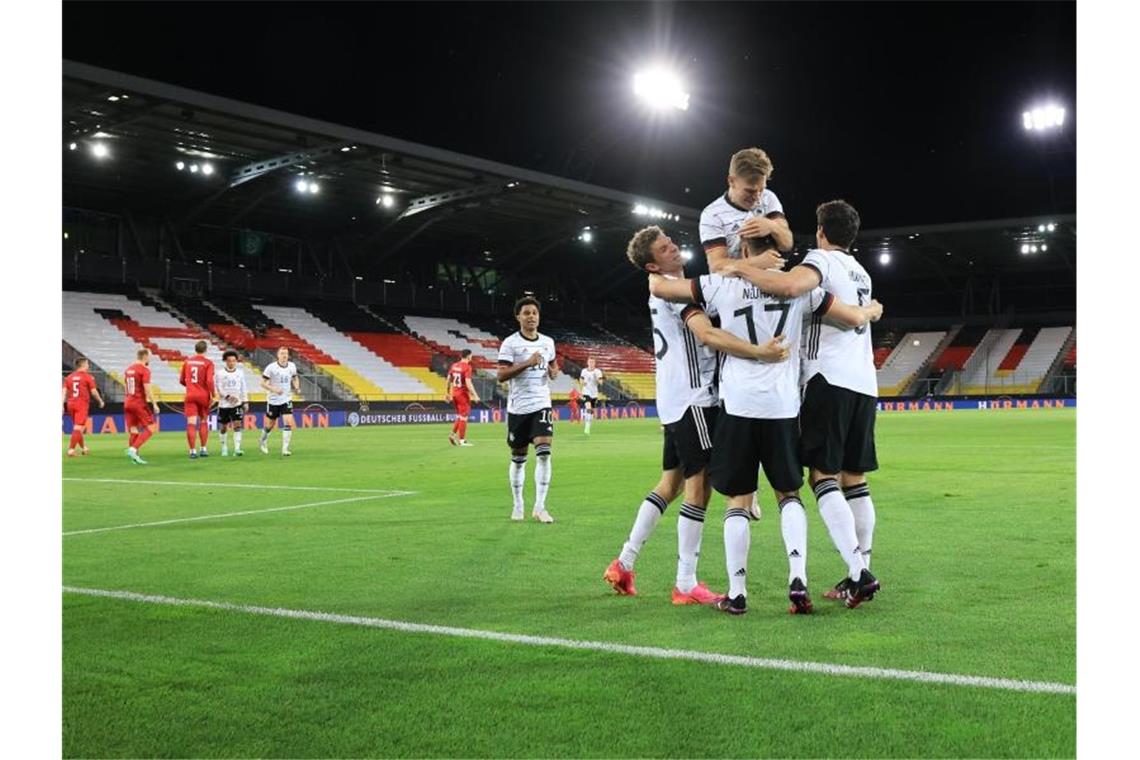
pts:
[1025, 248]
[72, 146]
[884, 258]
[387, 201]
[1050, 226]
[1044, 247]
[686, 254]
[179, 165]
[1033, 249]
[207, 169]
[193, 168]
[661, 89]
[1043, 117]
[1041, 228]
[314, 188]
[917, 343]
[301, 185]
[99, 150]
[587, 236]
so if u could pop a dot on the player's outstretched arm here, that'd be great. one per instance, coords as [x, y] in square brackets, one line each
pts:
[845, 315]
[791, 284]
[677, 291]
[698, 323]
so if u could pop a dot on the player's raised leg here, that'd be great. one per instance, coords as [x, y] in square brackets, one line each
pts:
[620, 573]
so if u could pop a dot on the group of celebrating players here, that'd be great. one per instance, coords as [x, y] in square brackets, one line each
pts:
[786, 382]
[205, 387]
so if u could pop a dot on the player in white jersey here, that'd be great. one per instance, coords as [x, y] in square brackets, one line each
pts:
[759, 426]
[589, 380]
[233, 398]
[528, 360]
[280, 381]
[838, 418]
[685, 346]
[748, 218]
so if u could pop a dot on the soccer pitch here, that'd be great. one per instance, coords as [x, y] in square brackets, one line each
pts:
[216, 650]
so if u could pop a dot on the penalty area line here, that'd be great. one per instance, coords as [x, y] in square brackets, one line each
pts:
[759, 663]
[243, 513]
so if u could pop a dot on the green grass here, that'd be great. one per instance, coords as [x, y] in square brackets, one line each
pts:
[975, 547]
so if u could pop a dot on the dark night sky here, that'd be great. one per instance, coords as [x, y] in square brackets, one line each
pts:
[909, 110]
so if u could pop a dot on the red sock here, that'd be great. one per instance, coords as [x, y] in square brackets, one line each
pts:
[142, 438]
[455, 425]
[203, 432]
[462, 429]
[134, 437]
[190, 433]
[76, 439]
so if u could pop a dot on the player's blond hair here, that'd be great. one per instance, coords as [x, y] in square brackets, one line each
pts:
[142, 353]
[640, 248]
[750, 164]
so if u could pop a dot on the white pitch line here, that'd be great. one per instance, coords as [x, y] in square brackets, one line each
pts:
[274, 487]
[238, 514]
[922, 676]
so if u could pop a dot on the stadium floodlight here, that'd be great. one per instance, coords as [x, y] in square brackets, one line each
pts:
[113, 98]
[586, 237]
[100, 150]
[1044, 247]
[1050, 226]
[207, 169]
[72, 146]
[386, 200]
[1025, 247]
[1043, 118]
[884, 258]
[686, 254]
[193, 168]
[660, 89]
[917, 342]
[314, 188]
[1033, 249]
[179, 165]
[301, 185]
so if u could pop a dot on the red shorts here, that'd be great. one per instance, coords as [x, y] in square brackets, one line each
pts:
[77, 413]
[138, 415]
[462, 405]
[196, 406]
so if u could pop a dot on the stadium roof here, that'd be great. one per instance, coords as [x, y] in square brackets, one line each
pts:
[450, 206]
[258, 154]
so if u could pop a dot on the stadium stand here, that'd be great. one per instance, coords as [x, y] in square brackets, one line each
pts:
[368, 375]
[1015, 360]
[907, 359]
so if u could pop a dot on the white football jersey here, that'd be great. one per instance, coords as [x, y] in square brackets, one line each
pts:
[590, 378]
[231, 385]
[760, 390]
[686, 368]
[529, 390]
[844, 356]
[721, 219]
[282, 378]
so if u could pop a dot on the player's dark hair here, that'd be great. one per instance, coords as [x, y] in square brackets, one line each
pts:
[80, 361]
[527, 301]
[465, 353]
[228, 353]
[286, 348]
[142, 353]
[640, 248]
[200, 347]
[839, 221]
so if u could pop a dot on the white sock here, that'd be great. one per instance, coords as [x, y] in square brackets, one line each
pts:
[736, 541]
[859, 499]
[587, 416]
[541, 475]
[793, 524]
[223, 436]
[690, 525]
[840, 524]
[648, 514]
[286, 434]
[237, 440]
[517, 476]
[265, 435]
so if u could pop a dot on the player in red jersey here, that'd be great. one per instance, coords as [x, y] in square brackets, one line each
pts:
[137, 406]
[78, 388]
[461, 392]
[198, 377]
[575, 415]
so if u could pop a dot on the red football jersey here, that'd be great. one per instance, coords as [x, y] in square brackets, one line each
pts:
[198, 376]
[136, 376]
[79, 385]
[457, 378]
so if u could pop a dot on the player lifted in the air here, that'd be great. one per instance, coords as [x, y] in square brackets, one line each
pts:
[280, 381]
[837, 419]
[140, 406]
[78, 388]
[461, 392]
[233, 399]
[198, 377]
[760, 425]
[589, 380]
[527, 359]
[685, 345]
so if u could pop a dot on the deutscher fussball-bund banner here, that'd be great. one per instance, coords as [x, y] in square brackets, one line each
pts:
[319, 416]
